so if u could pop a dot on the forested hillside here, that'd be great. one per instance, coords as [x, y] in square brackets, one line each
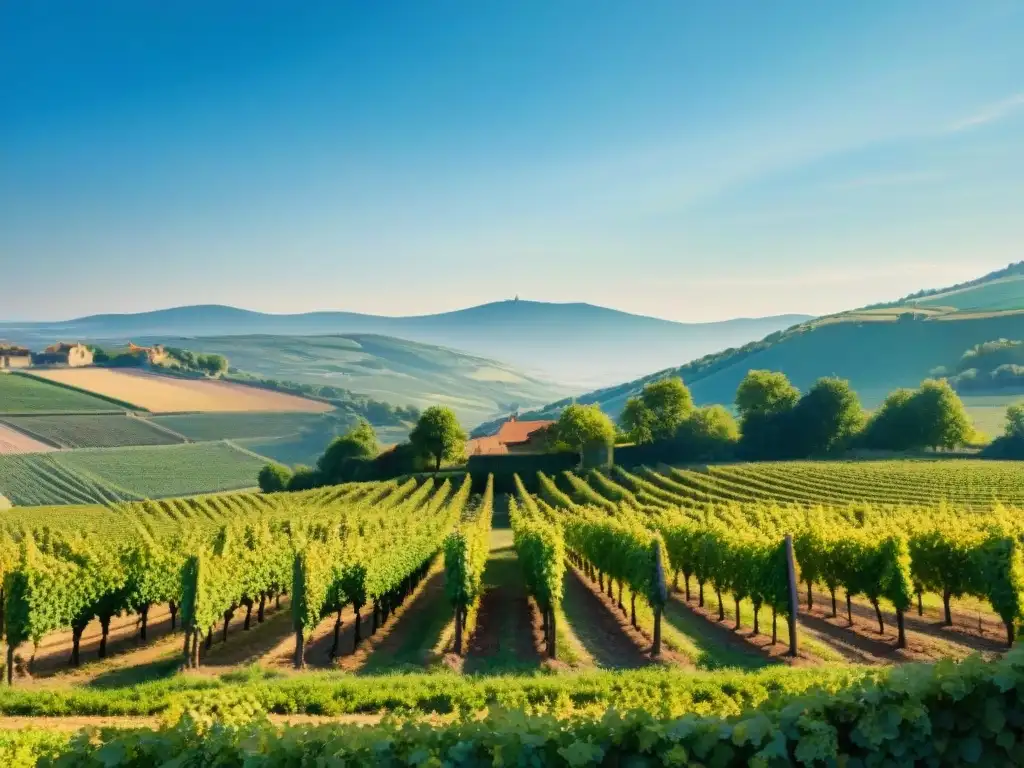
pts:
[877, 349]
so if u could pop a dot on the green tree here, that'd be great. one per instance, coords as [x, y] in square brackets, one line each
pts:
[893, 426]
[941, 416]
[345, 452]
[765, 393]
[304, 478]
[710, 433]
[827, 418]
[765, 401]
[669, 402]
[212, 364]
[583, 427]
[439, 436]
[274, 477]
[1015, 421]
[635, 421]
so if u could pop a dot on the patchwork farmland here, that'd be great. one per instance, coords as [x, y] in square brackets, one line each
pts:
[101, 475]
[13, 441]
[167, 394]
[25, 394]
[78, 431]
[60, 444]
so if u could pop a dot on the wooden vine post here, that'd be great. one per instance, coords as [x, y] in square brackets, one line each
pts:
[794, 599]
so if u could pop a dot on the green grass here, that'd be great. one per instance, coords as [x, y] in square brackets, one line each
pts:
[24, 394]
[107, 431]
[173, 470]
[998, 295]
[665, 692]
[41, 479]
[202, 427]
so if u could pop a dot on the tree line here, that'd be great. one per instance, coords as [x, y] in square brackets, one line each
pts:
[773, 420]
[777, 421]
[437, 438]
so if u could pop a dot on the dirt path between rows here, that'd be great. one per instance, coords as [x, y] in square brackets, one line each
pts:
[926, 640]
[129, 660]
[400, 641]
[984, 633]
[503, 640]
[607, 636]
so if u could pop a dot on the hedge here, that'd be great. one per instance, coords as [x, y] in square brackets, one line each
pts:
[946, 714]
[504, 467]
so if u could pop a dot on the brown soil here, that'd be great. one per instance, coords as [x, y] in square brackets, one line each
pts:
[13, 441]
[390, 638]
[53, 655]
[865, 637]
[927, 631]
[504, 629]
[126, 651]
[247, 647]
[744, 639]
[606, 634]
[318, 646]
[979, 629]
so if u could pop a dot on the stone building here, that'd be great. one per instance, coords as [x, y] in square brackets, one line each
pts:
[73, 355]
[12, 357]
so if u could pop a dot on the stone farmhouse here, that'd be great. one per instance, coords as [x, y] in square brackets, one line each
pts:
[13, 357]
[514, 436]
[73, 355]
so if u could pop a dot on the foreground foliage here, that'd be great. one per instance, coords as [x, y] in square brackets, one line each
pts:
[947, 714]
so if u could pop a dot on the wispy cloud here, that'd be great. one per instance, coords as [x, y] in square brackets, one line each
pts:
[990, 114]
[889, 179]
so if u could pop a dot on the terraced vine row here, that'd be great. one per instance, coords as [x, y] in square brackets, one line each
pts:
[208, 557]
[719, 532]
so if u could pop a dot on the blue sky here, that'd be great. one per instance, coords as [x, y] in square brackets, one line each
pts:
[690, 160]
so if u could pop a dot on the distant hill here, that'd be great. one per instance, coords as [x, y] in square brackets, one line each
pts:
[878, 348]
[578, 344]
[388, 369]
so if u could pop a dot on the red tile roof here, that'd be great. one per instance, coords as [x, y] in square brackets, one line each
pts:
[514, 431]
[485, 446]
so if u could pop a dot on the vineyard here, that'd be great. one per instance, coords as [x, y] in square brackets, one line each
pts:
[108, 431]
[40, 479]
[25, 394]
[202, 427]
[665, 570]
[105, 475]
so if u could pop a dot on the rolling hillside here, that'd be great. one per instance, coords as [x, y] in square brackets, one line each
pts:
[877, 348]
[578, 344]
[388, 369]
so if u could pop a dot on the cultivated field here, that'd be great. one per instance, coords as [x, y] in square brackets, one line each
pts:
[173, 470]
[167, 394]
[106, 431]
[237, 426]
[23, 394]
[40, 478]
[618, 586]
[13, 441]
[104, 475]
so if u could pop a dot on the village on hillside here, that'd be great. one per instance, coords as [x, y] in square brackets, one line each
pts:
[72, 355]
